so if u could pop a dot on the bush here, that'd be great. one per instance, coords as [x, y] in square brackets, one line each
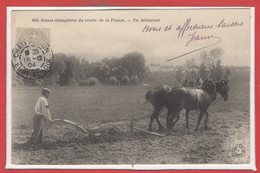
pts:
[125, 80]
[92, 81]
[83, 83]
[112, 80]
[134, 80]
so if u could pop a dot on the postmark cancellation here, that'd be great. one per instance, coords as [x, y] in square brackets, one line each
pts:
[32, 55]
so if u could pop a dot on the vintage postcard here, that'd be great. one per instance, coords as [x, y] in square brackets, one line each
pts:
[130, 88]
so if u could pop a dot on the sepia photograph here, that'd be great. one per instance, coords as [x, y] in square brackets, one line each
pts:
[130, 88]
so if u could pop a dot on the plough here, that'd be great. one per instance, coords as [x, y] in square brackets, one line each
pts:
[91, 131]
[75, 124]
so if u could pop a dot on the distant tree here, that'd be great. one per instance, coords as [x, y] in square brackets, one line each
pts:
[83, 82]
[75, 75]
[227, 73]
[217, 73]
[203, 72]
[64, 76]
[135, 64]
[113, 81]
[213, 63]
[85, 69]
[63, 70]
[191, 69]
[134, 80]
[59, 65]
[101, 71]
[125, 80]
[70, 70]
[119, 72]
[191, 65]
[92, 81]
[113, 62]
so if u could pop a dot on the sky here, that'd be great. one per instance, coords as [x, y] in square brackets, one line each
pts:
[94, 41]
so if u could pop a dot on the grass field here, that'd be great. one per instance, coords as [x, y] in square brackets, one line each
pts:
[228, 122]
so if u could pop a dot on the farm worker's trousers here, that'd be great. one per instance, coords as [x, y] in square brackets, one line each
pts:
[36, 137]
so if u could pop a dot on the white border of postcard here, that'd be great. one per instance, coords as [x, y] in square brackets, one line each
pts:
[250, 166]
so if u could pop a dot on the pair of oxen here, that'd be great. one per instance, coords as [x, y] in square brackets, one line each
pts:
[180, 98]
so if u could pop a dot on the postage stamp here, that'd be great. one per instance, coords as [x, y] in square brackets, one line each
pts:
[32, 57]
[148, 88]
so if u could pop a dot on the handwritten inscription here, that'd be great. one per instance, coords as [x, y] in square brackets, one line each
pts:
[224, 24]
[187, 26]
[148, 28]
[194, 32]
[194, 37]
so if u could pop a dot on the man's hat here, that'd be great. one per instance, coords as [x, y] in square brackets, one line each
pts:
[46, 90]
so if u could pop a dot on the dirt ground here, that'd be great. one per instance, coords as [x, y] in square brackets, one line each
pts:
[118, 145]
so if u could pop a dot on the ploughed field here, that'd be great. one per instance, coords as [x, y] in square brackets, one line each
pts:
[93, 106]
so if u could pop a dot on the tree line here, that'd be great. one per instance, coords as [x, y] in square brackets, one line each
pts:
[130, 69]
[210, 67]
[73, 71]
